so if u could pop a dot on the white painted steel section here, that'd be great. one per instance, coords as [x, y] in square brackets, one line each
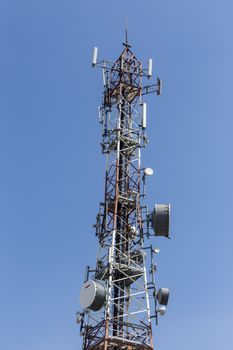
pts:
[146, 290]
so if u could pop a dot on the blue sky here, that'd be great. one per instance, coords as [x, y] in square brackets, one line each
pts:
[52, 170]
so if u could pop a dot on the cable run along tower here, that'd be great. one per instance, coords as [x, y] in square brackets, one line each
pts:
[119, 297]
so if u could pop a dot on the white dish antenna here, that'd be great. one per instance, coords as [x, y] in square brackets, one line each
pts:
[161, 310]
[148, 171]
[160, 220]
[163, 296]
[156, 250]
[92, 295]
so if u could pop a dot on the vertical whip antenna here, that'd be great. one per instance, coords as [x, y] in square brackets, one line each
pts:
[126, 43]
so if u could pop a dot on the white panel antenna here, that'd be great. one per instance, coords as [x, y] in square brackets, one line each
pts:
[144, 115]
[160, 85]
[150, 66]
[94, 58]
[100, 115]
[104, 79]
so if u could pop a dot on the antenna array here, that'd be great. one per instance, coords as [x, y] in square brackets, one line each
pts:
[117, 294]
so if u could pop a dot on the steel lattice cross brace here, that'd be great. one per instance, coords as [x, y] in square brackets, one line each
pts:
[116, 294]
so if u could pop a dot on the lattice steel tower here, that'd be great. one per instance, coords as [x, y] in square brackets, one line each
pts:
[117, 294]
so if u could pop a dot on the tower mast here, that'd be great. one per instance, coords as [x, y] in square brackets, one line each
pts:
[116, 295]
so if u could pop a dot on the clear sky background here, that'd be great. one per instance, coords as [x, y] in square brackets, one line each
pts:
[52, 170]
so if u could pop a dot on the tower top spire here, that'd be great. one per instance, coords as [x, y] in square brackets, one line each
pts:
[126, 43]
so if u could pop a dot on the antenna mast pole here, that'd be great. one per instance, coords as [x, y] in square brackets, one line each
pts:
[116, 293]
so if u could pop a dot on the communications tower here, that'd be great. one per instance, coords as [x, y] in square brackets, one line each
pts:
[119, 296]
